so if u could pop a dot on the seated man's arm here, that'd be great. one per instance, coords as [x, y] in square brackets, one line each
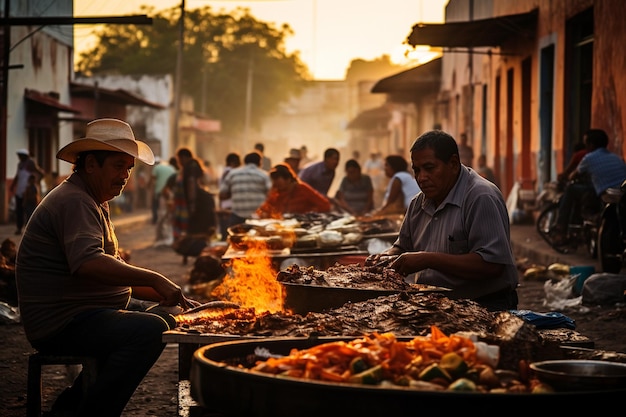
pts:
[109, 271]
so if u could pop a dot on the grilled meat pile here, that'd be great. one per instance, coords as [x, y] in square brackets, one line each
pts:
[348, 276]
[404, 314]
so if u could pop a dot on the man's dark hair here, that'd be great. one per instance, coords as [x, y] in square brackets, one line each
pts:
[99, 155]
[259, 146]
[233, 158]
[184, 152]
[330, 152]
[283, 170]
[441, 142]
[353, 163]
[597, 138]
[253, 157]
[397, 163]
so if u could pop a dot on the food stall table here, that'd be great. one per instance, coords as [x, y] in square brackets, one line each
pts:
[321, 258]
[188, 342]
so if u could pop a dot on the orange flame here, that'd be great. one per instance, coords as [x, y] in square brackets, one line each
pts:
[251, 282]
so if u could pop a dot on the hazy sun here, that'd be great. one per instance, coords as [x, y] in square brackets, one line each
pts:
[408, 55]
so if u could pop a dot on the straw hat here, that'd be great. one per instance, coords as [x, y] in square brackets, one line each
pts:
[294, 154]
[108, 135]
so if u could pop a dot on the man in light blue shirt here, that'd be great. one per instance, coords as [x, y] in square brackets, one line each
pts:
[320, 175]
[603, 168]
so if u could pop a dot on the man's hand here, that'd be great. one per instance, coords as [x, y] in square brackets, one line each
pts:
[409, 262]
[379, 257]
[187, 303]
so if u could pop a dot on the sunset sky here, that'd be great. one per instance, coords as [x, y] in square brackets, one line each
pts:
[328, 33]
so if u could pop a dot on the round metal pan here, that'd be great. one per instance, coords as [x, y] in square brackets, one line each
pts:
[302, 298]
[219, 385]
[581, 374]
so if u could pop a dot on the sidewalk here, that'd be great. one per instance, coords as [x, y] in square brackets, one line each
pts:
[122, 222]
[526, 242]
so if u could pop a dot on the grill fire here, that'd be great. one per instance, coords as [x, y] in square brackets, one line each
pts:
[251, 282]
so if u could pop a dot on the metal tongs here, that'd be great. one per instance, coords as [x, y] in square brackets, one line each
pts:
[384, 261]
[212, 305]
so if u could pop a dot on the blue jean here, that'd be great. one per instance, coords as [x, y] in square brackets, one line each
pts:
[235, 220]
[569, 206]
[126, 344]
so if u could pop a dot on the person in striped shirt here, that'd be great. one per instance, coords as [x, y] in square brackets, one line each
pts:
[247, 187]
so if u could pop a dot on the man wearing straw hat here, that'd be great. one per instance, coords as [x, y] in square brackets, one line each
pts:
[77, 296]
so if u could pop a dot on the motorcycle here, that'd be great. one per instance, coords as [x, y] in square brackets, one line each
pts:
[582, 229]
[612, 233]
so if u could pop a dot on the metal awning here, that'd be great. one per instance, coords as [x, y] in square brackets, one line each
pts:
[118, 96]
[475, 33]
[414, 80]
[48, 100]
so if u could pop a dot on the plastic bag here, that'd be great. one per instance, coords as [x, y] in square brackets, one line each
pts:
[604, 289]
[550, 320]
[559, 293]
[376, 246]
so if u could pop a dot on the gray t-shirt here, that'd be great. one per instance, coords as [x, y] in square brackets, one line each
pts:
[472, 219]
[68, 228]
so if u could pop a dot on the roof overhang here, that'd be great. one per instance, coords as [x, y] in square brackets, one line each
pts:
[475, 33]
[203, 126]
[412, 81]
[118, 96]
[48, 101]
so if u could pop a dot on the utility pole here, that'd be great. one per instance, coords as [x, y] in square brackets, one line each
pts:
[179, 74]
[246, 137]
[6, 46]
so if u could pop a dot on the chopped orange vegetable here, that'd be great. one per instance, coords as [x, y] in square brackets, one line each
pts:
[397, 360]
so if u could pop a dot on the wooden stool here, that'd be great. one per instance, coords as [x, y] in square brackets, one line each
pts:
[37, 360]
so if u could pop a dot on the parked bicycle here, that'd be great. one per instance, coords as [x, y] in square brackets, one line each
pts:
[582, 228]
[612, 233]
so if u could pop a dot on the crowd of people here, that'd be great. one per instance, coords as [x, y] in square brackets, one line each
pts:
[186, 200]
[246, 190]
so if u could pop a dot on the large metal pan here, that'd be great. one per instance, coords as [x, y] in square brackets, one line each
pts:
[219, 384]
[575, 374]
[302, 298]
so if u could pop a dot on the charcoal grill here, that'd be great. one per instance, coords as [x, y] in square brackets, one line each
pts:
[305, 298]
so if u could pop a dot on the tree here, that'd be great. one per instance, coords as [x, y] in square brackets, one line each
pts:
[219, 51]
[377, 68]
